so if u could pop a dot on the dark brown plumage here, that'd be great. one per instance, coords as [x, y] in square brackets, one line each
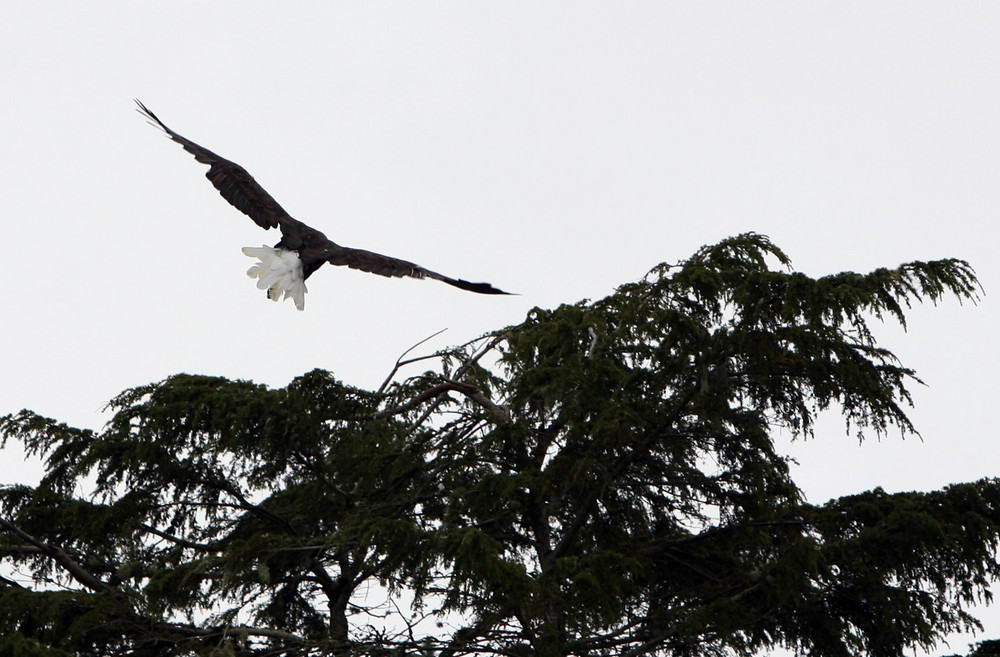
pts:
[313, 247]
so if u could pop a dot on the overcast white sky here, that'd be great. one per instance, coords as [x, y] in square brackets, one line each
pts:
[553, 149]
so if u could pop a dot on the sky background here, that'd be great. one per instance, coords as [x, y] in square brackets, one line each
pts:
[554, 149]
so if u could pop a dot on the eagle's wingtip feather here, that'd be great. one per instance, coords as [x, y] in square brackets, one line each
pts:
[480, 288]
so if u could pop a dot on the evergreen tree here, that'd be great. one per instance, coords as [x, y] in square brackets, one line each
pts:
[601, 479]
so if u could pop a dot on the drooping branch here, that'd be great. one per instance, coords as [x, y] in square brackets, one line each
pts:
[68, 563]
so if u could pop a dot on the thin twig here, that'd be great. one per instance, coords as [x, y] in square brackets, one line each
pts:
[460, 372]
[400, 362]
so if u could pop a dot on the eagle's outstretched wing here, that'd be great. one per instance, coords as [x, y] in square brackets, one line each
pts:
[376, 263]
[313, 247]
[234, 183]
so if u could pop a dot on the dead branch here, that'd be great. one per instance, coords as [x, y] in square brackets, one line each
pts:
[437, 393]
[400, 362]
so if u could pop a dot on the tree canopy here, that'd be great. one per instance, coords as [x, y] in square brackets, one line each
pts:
[600, 479]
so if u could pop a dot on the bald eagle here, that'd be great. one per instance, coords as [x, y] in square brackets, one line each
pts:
[282, 270]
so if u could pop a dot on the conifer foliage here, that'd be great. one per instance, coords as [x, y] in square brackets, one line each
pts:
[601, 479]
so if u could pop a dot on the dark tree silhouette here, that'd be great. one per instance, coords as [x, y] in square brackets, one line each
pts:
[601, 479]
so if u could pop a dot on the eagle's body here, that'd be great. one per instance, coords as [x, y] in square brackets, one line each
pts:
[283, 269]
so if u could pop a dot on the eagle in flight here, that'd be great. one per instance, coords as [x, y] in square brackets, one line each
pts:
[284, 268]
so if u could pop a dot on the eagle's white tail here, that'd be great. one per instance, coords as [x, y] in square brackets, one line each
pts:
[279, 272]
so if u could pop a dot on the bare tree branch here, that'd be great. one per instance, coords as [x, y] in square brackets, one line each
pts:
[400, 362]
[593, 341]
[459, 373]
[437, 391]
